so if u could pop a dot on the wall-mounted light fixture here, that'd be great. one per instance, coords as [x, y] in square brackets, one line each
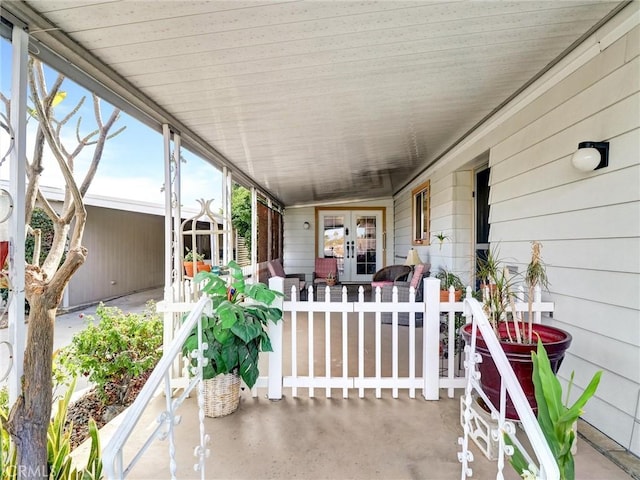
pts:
[306, 225]
[591, 156]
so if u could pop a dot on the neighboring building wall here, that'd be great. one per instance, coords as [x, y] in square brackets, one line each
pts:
[125, 255]
[589, 224]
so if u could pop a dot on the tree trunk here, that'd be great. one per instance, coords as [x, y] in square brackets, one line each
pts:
[30, 417]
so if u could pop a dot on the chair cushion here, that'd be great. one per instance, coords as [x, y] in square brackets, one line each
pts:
[382, 283]
[418, 272]
[275, 268]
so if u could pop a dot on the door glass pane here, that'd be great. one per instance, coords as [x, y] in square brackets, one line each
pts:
[333, 235]
[365, 245]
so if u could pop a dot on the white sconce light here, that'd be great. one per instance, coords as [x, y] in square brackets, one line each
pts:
[306, 225]
[591, 156]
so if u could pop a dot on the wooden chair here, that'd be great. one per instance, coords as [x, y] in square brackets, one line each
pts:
[323, 267]
[291, 279]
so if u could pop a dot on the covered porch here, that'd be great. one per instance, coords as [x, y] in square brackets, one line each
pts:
[399, 148]
[319, 437]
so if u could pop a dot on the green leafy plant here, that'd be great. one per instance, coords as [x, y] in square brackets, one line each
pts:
[449, 279]
[117, 349]
[193, 256]
[59, 460]
[441, 237]
[236, 331]
[498, 287]
[555, 418]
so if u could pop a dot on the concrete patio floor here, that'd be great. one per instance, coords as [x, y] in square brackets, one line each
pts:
[319, 438]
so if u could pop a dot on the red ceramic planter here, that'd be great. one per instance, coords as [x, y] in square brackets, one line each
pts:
[555, 341]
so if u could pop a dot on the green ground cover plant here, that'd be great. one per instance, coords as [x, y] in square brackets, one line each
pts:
[115, 349]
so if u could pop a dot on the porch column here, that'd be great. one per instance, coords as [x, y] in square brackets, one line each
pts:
[431, 339]
[274, 381]
[227, 247]
[254, 233]
[17, 189]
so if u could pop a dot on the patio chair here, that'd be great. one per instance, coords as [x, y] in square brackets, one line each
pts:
[291, 279]
[325, 266]
[387, 275]
[420, 272]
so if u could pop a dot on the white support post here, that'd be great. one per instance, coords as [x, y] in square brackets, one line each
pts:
[17, 189]
[177, 210]
[168, 210]
[172, 239]
[430, 339]
[275, 335]
[227, 247]
[254, 233]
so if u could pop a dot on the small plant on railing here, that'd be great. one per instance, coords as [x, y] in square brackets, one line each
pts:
[236, 331]
[555, 418]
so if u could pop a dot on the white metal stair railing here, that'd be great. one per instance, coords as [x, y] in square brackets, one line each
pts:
[112, 454]
[547, 467]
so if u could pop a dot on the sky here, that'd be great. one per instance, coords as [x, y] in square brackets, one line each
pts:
[132, 163]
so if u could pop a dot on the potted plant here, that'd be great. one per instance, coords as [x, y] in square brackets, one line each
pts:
[517, 341]
[449, 279]
[194, 261]
[235, 334]
[331, 279]
[557, 421]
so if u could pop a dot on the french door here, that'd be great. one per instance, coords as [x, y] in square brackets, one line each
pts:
[355, 238]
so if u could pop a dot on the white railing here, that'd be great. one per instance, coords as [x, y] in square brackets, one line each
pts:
[546, 466]
[112, 454]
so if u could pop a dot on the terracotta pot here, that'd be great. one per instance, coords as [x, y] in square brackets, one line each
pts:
[204, 267]
[188, 267]
[555, 341]
[444, 295]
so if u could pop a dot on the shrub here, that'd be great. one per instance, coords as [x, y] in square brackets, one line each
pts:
[117, 349]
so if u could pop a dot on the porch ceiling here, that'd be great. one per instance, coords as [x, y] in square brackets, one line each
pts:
[322, 101]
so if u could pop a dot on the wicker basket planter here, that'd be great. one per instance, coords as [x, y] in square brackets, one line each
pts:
[221, 395]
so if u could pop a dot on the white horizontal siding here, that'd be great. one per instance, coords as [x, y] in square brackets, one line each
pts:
[300, 244]
[589, 223]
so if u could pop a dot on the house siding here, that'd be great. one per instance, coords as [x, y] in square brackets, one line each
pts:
[299, 244]
[125, 255]
[588, 223]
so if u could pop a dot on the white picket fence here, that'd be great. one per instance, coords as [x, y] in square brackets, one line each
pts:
[362, 319]
[356, 318]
